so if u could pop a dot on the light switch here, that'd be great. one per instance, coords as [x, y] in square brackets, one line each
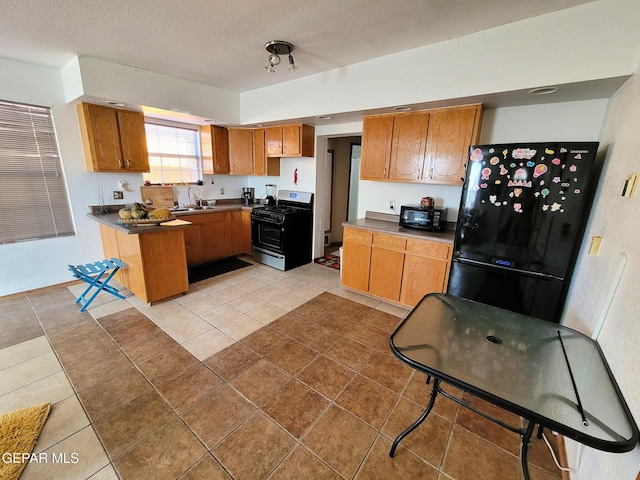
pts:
[595, 246]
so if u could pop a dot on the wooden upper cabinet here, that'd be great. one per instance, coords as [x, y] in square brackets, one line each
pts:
[259, 152]
[295, 140]
[273, 141]
[430, 146]
[240, 151]
[377, 134]
[393, 146]
[214, 149]
[113, 140]
[408, 146]
[451, 132]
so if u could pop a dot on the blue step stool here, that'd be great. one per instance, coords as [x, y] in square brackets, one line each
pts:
[92, 273]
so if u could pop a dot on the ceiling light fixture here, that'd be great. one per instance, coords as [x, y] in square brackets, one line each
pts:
[324, 117]
[543, 90]
[114, 103]
[275, 49]
[402, 108]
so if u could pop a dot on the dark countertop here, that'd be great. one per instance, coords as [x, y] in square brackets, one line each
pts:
[391, 226]
[110, 219]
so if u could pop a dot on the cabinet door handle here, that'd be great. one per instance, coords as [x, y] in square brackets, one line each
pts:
[128, 163]
[120, 162]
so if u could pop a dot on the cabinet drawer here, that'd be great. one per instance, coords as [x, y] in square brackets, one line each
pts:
[356, 235]
[429, 249]
[390, 242]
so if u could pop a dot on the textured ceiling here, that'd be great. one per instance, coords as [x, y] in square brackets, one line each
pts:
[221, 42]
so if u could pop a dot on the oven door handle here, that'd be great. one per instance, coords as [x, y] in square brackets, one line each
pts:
[267, 220]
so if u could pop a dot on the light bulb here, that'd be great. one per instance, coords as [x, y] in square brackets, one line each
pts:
[274, 59]
[292, 65]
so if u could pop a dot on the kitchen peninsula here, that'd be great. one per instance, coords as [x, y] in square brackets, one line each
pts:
[157, 256]
[387, 261]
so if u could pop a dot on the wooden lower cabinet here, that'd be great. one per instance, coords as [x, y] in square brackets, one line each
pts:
[387, 259]
[356, 253]
[155, 267]
[192, 244]
[215, 235]
[241, 232]
[212, 236]
[393, 266]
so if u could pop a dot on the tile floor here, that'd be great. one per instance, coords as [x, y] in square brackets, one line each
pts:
[254, 374]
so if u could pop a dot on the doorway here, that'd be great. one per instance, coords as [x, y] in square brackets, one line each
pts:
[343, 163]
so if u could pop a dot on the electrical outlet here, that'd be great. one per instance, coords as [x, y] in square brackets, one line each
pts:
[118, 195]
[392, 204]
[221, 191]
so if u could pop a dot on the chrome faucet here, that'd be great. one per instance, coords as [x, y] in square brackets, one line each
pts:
[194, 198]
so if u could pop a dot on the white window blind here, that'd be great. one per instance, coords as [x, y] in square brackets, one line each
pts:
[173, 154]
[33, 197]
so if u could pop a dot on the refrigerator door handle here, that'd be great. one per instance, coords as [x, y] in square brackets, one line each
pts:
[526, 273]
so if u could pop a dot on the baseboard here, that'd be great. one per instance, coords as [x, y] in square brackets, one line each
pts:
[40, 290]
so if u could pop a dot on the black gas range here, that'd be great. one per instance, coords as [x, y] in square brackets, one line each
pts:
[282, 234]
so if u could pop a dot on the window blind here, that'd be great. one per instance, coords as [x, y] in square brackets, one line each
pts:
[33, 197]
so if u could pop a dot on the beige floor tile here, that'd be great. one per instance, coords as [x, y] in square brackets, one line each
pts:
[205, 345]
[246, 303]
[289, 302]
[240, 327]
[107, 473]
[266, 313]
[108, 308]
[23, 351]
[194, 293]
[202, 304]
[52, 389]
[228, 294]
[213, 285]
[235, 278]
[341, 292]
[83, 446]
[172, 316]
[364, 300]
[25, 373]
[188, 329]
[220, 315]
[65, 418]
[286, 285]
[269, 294]
[392, 309]
[149, 310]
[307, 291]
[252, 284]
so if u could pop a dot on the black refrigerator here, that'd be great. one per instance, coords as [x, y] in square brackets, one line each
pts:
[520, 225]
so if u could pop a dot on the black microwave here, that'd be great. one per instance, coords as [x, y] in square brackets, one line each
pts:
[423, 218]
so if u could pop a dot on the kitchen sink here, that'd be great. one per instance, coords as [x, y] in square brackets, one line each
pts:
[191, 208]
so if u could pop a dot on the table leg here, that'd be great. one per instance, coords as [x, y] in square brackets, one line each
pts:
[524, 449]
[434, 392]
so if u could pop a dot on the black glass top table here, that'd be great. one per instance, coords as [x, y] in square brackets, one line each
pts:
[550, 375]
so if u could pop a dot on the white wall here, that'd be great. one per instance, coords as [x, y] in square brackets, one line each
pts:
[616, 219]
